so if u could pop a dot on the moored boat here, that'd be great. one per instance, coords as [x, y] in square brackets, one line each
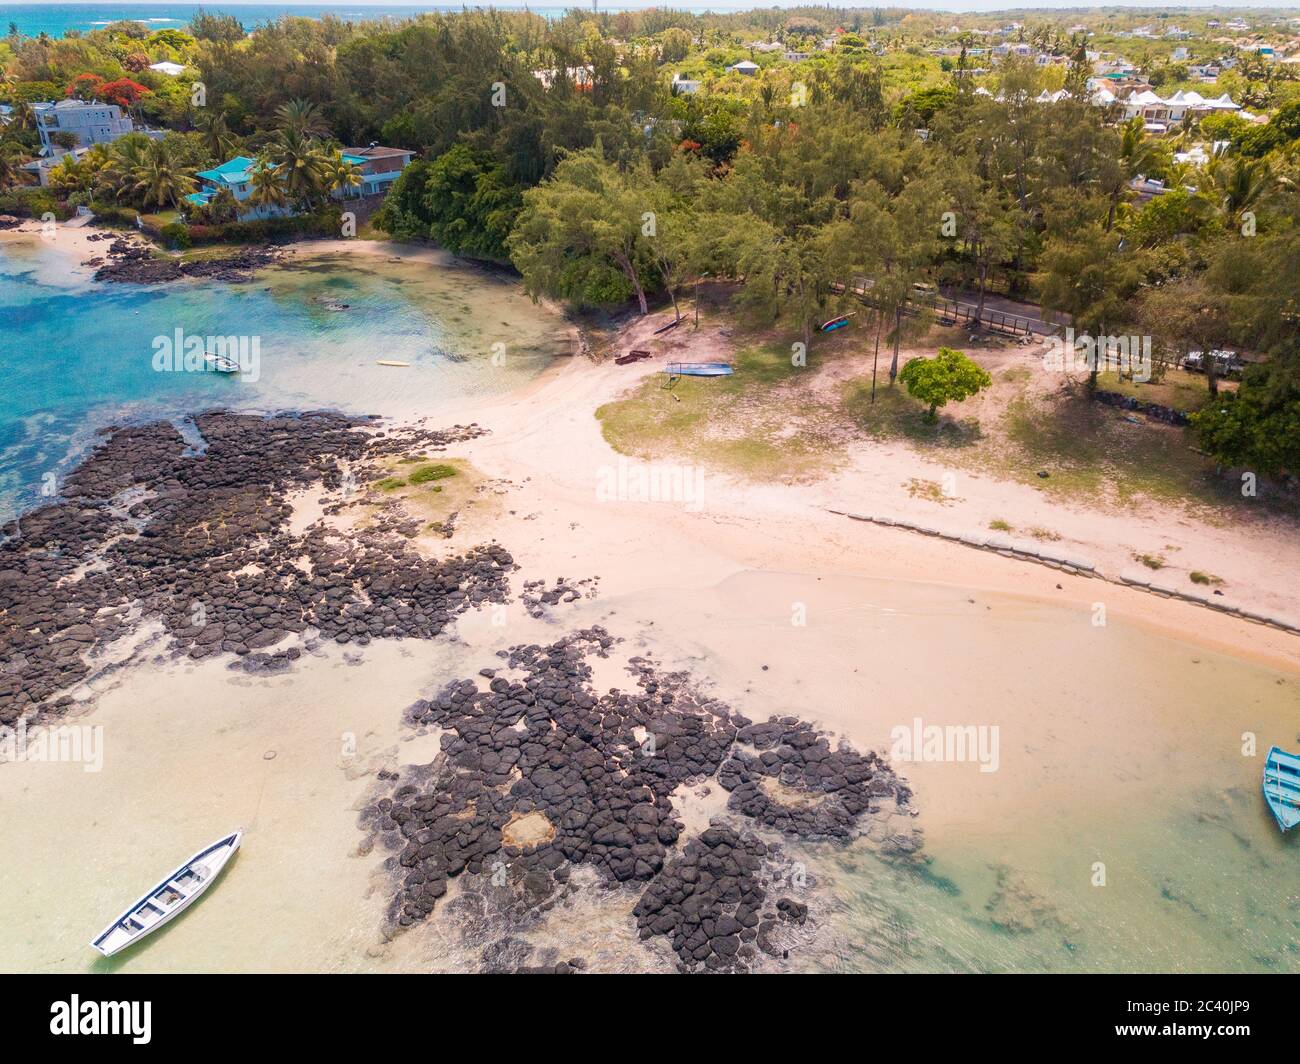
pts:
[1282, 787]
[172, 896]
[221, 363]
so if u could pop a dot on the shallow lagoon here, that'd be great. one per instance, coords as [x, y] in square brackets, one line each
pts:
[79, 356]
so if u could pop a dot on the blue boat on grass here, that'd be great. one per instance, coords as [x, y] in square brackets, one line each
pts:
[1282, 787]
[700, 369]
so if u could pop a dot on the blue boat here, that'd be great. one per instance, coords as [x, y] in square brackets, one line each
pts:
[834, 323]
[700, 369]
[1282, 787]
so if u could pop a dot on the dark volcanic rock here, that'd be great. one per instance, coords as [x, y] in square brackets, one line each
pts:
[201, 541]
[138, 264]
[530, 743]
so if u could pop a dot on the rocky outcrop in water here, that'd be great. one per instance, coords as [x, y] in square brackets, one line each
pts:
[541, 774]
[149, 528]
[140, 264]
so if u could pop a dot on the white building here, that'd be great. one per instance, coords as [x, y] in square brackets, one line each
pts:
[89, 123]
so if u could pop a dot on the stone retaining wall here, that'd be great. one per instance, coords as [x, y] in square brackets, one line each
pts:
[1157, 411]
[1077, 566]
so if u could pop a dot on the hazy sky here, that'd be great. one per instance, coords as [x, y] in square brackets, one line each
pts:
[728, 5]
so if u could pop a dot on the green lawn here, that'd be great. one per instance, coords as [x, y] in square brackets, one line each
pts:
[755, 422]
[1179, 390]
[772, 421]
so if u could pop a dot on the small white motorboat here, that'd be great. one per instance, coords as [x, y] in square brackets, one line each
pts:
[221, 363]
[169, 898]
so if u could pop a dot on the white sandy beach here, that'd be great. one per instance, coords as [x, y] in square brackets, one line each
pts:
[896, 626]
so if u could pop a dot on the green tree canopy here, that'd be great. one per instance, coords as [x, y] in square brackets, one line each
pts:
[948, 377]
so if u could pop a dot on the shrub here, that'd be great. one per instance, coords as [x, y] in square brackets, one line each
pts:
[33, 202]
[176, 235]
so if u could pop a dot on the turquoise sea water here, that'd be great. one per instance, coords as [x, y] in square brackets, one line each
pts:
[56, 19]
[77, 357]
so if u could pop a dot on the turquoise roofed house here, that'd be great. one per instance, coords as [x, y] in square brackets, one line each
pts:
[236, 176]
[379, 167]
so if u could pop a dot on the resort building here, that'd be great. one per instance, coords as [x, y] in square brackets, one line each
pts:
[89, 123]
[746, 66]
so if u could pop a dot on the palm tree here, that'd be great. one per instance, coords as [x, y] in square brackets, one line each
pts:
[23, 117]
[303, 117]
[1138, 154]
[223, 207]
[12, 157]
[301, 165]
[220, 142]
[72, 174]
[269, 190]
[339, 174]
[159, 180]
[1236, 186]
[125, 159]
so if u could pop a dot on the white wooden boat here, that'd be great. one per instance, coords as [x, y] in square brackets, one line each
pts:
[221, 363]
[169, 898]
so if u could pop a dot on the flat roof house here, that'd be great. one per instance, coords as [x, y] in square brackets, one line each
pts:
[90, 123]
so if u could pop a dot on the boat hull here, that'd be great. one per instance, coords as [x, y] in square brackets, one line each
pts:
[168, 898]
[1281, 786]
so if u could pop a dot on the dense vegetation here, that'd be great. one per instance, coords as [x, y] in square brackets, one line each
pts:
[563, 149]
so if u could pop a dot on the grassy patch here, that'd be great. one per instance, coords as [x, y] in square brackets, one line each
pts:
[437, 490]
[1198, 577]
[1090, 450]
[999, 525]
[758, 422]
[1180, 390]
[1151, 561]
[896, 415]
[208, 253]
[929, 490]
[426, 473]
[1044, 534]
